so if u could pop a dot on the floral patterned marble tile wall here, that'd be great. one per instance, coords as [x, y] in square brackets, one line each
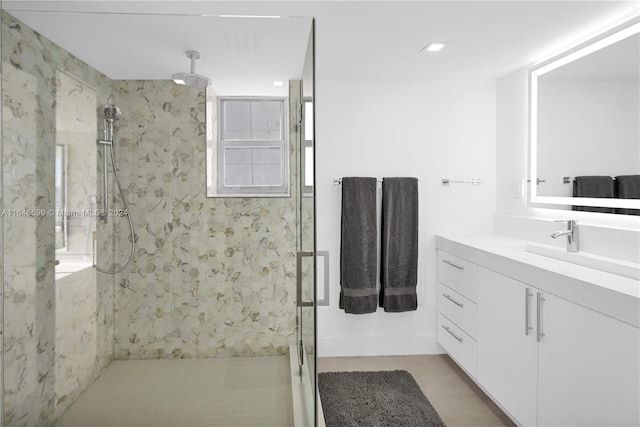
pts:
[212, 276]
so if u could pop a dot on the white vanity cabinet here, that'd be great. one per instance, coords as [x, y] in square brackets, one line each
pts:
[546, 360]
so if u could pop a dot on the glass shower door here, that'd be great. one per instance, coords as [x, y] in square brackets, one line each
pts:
[305, 259]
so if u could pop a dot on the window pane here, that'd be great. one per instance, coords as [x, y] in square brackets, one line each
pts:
[236, 120]
[308, 166]
[308, 121]
[237, 166]
[266, 120]
[238, 155]
[267, 155]
[267, 175]
[237, 175]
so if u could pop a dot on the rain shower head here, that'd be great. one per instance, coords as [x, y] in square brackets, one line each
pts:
[111, 112]
[192, 79]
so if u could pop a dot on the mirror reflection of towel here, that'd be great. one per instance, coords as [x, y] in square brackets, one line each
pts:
[628, 188]
[593, 186]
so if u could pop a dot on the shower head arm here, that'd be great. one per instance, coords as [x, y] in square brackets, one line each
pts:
[193, 55]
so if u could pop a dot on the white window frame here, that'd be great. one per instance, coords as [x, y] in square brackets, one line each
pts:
[283, 190]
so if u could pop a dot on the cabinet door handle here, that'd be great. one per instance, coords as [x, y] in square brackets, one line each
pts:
[459, 267]
[527, 311]
[540, 333]
[446, 328]
[459, 304]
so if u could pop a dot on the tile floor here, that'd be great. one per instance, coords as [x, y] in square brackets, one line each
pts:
[458, 401]
[240, 391]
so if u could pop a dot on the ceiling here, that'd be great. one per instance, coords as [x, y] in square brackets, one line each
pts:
[355, 40]
[242, 56]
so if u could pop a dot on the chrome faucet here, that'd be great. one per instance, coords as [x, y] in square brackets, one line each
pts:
[571, 233]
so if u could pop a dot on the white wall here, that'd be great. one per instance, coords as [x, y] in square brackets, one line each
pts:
[617, 236]
[511, 143]
[430, 130]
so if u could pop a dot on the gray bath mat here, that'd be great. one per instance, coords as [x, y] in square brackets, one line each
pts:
[375, 399]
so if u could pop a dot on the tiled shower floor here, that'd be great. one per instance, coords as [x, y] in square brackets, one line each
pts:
[239, 391]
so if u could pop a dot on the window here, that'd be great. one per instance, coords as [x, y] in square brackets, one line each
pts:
[307, 153]
[60, 225]
[253, 152]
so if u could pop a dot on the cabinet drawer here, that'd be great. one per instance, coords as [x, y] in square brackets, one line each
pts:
[458, 274]
[460, 310]
[460, 346]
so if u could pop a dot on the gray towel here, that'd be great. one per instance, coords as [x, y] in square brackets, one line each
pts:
[399, 260]
[628, 188]
[593, 186]
[358, 246]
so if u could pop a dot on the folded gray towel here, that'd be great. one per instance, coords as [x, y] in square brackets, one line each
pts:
[399, 259]
[593, 186]
[358, 246]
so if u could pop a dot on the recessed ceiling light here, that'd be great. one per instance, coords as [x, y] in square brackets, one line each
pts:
[434, 47]
[278, 83]
[178, 81]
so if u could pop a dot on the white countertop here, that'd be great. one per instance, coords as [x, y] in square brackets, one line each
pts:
[610, 294]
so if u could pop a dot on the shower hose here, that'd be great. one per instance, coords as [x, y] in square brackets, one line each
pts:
[127, 213]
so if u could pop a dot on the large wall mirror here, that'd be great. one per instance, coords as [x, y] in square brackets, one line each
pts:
[585, 125]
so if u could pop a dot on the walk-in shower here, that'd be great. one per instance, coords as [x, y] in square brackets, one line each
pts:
[196, 322]
[110, 113]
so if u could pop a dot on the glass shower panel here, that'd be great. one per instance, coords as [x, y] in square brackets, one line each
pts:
[306, 294]
[2, 204]
[56, 334]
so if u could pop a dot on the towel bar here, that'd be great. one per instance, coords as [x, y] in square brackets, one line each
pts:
[472, 181]
[338, 181]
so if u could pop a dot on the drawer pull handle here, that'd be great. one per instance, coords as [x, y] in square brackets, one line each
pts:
[446, 328]
[452, 300]
[459, 267]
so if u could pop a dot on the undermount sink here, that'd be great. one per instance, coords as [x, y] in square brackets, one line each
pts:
[609, 265]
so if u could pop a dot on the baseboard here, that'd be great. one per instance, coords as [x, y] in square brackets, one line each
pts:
[377, 345]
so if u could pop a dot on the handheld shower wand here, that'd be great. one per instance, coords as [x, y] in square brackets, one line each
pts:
[111, 113]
